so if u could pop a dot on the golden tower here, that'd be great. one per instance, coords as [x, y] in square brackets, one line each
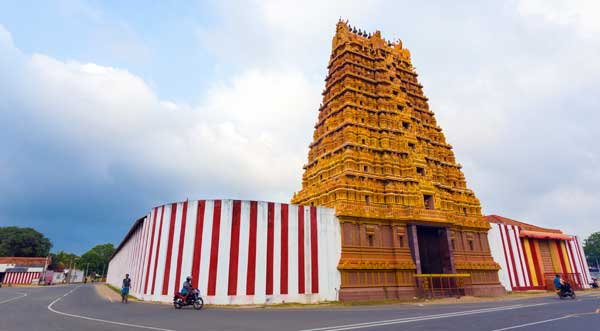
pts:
[380, 159]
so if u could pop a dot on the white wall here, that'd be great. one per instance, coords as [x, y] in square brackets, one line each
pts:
[210, 252]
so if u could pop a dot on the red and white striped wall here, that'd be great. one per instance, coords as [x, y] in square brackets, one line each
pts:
[23, 278]
[237, 252]
[519, 259]
[507, 250]
[578, 260]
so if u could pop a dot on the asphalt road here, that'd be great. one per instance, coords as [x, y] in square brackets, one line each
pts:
[81, 308]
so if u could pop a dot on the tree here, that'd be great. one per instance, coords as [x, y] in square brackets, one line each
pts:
[96, 259]
[591, 247]
[62, 260]
[23, 242]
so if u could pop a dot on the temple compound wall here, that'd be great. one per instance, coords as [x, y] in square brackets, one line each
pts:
[531, 256]
[237, 252]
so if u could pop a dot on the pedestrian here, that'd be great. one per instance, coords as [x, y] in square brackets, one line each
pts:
[125, 288]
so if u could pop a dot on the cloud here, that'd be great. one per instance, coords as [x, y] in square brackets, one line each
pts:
[581, 15]
[92, 145]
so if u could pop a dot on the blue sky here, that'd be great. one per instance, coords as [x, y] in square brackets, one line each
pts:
[112, 107]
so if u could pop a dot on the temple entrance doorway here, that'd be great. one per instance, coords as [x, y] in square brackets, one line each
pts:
[434, 250]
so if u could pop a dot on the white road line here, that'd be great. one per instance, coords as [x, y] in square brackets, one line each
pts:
[97, 319]
[533, 323]
[23, 294]
[421, 318]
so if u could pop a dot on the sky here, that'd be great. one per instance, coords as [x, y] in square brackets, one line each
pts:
[109, 108]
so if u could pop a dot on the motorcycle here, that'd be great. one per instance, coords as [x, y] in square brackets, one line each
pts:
[566, 293]
[192, 299]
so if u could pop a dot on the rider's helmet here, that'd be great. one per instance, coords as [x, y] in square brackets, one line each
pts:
[188, 278]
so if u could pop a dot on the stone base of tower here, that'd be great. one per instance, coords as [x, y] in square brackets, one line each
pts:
[486, 290]
[377, 293]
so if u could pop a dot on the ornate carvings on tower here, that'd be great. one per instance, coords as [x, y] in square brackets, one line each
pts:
[380, 159]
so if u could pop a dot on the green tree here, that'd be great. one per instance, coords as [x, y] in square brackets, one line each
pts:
[62, 260]
[96, 259]
[23, 242]
[591, 247]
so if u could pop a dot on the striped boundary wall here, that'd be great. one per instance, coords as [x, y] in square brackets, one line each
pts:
[237, 252]
[21, 277]
[518, 258]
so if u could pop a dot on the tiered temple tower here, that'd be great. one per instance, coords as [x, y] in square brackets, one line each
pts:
[380, 159]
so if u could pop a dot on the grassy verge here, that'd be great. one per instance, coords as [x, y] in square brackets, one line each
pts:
[118, 291]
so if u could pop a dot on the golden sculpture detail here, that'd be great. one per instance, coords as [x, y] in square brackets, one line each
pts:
[380, 159]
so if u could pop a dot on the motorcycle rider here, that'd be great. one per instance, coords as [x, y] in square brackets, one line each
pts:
[561, 285]
[187, 288]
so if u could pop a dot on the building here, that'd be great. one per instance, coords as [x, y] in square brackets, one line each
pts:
[381, 161]
[22, 270]
[65, 276]
[237, 252]
[530, 256]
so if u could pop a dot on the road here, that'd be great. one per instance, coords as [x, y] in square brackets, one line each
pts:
[81, 308]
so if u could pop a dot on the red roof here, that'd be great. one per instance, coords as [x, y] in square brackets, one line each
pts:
[26, 261]
[544, 235]
[522, 225]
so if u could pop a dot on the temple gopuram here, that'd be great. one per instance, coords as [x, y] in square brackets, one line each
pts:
[381, 161]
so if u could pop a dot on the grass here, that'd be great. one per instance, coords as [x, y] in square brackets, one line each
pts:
[118, 291]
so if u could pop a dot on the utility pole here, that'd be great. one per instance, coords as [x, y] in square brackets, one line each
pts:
[103, 268]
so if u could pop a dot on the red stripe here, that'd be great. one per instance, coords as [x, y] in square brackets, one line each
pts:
[560, 255]
[165, 288]
[198, 242]
[314, 251]
[162, 214]
[536, 263]
[251, 273]
[143, 257]
[527, 266]
[136, 270]
[283, 281]
[270, 245]
[572, 259]
[150, 251]
[500, 227]
[178, 279]
[214, 249]
[525, 276]
[301, 280]
[583, 269]
[134, 257]
[512, 257]
[234, 252]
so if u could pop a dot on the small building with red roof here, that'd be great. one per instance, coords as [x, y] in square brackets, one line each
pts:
[530, 256]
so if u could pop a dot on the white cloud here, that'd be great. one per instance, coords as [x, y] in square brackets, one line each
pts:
[582, 15]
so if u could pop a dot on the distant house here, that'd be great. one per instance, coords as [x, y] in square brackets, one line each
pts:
[22, 270]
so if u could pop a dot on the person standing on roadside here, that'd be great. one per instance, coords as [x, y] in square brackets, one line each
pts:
[125, 288]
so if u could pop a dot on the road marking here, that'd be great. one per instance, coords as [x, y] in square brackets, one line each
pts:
[533, 323]
[421, 318]
[97, 319]
[546, 321]
[23, 294]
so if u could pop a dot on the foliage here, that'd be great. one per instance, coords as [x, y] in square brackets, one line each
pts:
[23, 242]
[62, 260]
[591, 247]
[96, 259]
